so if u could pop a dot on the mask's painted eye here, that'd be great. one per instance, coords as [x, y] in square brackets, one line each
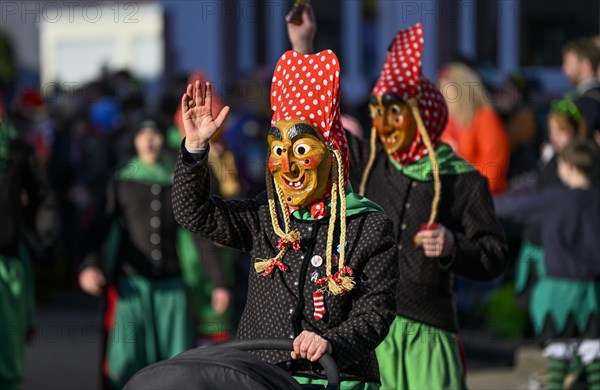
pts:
[278, 150]
[301, 149]
[395, 109]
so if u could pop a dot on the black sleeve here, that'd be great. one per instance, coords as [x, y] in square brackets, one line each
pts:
[95, 235]
[481, 251]
[232, 223]
[589, 108]
[374, 311]
[210, 259]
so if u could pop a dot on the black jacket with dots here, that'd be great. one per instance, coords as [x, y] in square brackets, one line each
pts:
[425, 290]
[281, 305]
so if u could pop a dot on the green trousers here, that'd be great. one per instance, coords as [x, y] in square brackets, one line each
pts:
[152, 323]
[15, 317]
[418, 356]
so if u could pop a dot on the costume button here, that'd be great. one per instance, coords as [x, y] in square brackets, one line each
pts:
[155, 239]
[403, 226]
[302, 257]
[291, 336]
[156, 255]
[296, 283]
[407, 205]
[414, 184]
[310, 228]
[399, 247]
[316, 261]
[292, 311]
[155, 222]
[155, 189]
[155, 205]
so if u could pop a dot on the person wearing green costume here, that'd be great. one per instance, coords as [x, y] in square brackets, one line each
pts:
[565, 276]
[148, 316]
[23, 193]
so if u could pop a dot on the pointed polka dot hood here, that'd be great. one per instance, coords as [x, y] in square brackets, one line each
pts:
[401, 75]
[307, 87]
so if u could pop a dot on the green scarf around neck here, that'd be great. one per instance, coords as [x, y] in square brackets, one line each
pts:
[448, 162]
[135, 170]
[355, 204]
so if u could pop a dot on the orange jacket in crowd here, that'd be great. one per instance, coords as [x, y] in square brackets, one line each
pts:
[483, 143]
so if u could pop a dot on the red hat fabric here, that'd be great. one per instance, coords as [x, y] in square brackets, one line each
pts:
[307, 87]
[401, 75]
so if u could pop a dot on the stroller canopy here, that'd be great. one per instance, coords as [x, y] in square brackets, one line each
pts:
[212, 368]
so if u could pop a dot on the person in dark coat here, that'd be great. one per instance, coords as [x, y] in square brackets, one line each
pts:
[444, 222]
[564, 301]
[325, 262]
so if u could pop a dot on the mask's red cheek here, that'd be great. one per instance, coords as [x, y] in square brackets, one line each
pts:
[272, 164]
[310, 162]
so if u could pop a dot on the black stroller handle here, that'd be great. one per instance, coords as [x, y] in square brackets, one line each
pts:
[326, 361]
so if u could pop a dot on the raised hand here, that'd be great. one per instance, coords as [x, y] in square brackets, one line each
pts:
[198, 120]
[302, 35]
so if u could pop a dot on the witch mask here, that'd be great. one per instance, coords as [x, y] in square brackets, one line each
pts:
[394, 122]
[299, 161]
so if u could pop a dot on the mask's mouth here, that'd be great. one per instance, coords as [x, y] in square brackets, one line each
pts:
[295, 184]
[390, 139]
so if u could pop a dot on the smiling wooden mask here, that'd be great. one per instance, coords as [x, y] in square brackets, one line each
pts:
[299, 161]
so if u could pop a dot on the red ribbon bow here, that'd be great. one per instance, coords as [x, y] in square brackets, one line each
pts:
[282, 243]
[275, 263]
[335, 277]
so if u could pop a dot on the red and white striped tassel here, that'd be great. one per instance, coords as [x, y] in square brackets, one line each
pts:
[319, 302]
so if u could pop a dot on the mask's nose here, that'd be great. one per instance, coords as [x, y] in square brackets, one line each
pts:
[285, 163]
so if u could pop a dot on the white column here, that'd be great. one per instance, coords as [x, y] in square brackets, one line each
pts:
[277, 38]
[196, 36]
[246, 35]
[355, 86]
[398, 15]
[508, 36]
[431, 14]
[466, 28]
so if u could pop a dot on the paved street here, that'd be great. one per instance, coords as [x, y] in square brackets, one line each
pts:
[65, 352]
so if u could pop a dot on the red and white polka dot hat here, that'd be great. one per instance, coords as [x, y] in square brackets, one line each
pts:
[307, 87]
[401, 75]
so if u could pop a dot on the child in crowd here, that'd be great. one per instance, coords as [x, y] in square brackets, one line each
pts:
[565, 304]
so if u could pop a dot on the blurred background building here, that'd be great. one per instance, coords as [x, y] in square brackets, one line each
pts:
[71, 42]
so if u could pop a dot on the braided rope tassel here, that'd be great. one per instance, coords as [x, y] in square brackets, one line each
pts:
[287, 238]
[437, 184]
[342, 281]
[362, 189]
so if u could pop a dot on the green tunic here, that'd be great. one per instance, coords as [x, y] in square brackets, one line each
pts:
[579, 299]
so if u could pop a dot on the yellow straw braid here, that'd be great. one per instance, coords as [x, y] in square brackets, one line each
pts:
[289, 236]
[345, 282]
[437, 184]
[365, 177]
